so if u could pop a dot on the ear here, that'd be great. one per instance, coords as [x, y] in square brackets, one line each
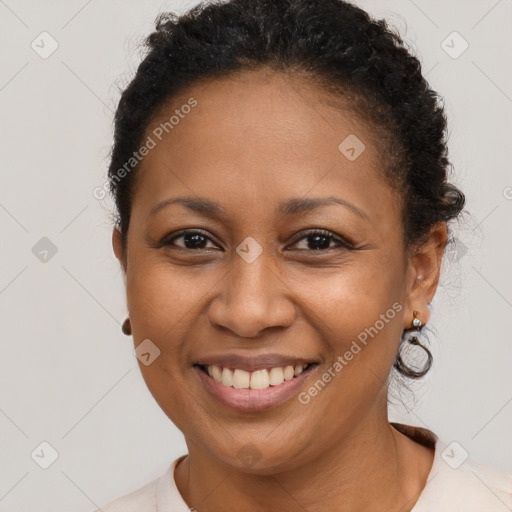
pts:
[117, 245]
[423, 274]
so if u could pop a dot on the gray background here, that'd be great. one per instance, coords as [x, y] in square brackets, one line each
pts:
[68, 375]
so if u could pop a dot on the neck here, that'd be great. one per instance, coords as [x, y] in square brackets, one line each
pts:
[374, 467]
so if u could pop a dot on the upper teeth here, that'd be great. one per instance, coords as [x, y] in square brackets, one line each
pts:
[259, 379]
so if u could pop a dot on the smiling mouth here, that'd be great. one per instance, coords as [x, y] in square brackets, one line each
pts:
[258, 379]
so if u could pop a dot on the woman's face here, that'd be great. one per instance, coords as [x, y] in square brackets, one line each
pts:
[257, 289]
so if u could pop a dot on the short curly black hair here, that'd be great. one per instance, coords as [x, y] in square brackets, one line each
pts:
[332, 43]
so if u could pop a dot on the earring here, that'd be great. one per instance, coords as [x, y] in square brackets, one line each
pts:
[126, 327]
[416, 322]
[410, 339]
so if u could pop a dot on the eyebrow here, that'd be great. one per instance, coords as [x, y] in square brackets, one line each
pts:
[294, 206]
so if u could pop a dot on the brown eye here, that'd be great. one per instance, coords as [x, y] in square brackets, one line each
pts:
[191, 239]
[320, 240]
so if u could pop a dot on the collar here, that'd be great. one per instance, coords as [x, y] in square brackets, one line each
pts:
[168, 498]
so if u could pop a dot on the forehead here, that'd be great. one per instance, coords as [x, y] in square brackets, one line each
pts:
[261, 134]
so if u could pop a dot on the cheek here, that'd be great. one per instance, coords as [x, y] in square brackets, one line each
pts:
[355, 298]
[162, 299]
[362, 318]
[361, 311]
[163, 308]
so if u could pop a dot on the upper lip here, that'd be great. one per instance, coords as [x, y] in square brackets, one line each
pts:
[253, 363]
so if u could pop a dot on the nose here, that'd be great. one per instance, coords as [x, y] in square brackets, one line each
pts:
[253, 297]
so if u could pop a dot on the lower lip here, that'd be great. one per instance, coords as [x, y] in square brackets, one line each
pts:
[251, 400]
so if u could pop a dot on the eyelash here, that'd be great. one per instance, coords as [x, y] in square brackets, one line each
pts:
[342, 244]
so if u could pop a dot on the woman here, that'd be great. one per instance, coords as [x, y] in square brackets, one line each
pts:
[280, 175]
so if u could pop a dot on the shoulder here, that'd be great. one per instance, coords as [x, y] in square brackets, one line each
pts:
[459, 483]
[140, 500]
[159, 495]
[456, 482]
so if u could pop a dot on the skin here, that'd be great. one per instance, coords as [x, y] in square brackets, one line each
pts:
[253, 141]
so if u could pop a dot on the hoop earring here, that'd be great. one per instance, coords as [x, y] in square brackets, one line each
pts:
[412, 339]
[127, 327]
